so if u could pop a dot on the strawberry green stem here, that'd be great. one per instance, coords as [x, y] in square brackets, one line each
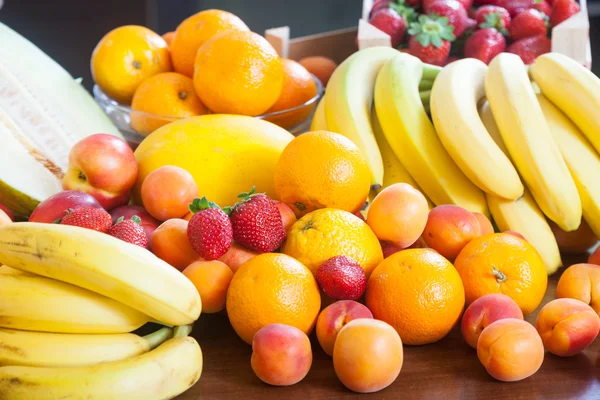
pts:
[157, 338]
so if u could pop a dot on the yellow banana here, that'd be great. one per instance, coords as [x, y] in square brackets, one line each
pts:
[6, 270]
[103, 264]
[319, 123]
[532, 148]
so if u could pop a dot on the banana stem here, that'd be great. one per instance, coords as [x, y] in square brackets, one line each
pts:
[427, 109]
[161, 323]
[181, 331]
[430, 72]
[425, 96]
[157, 338]
[425, 85]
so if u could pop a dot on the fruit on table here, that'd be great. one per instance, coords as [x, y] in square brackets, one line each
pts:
[334, 317]
[54, 207]
[322, 169]
[148, 222]
[287, 215]
[517, 234]
[530, 48]
[211, 279]
[485, 226]
[272, 289]
[594, 258]
[228, 149]
[567, 326]
[319, 66]
[485, 44]
[391, 22]
[430, 39]
[502, 263]
[581, 282]
[88, 217]
[209, 230]
[367, 355]
[7, 211]
[281, 355]
[167, 192]
[491, 16]
[170, 243]
[578, 241]
[130, 231]
[510, 350]
[419, 293]
[341, 278]
[236, 256]
[454, 11]
[86, 258]
[126, 56]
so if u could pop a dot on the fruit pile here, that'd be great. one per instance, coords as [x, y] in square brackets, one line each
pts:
[441, 31]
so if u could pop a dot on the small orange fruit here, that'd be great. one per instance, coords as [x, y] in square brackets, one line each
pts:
[168, 38]
[161, 99]
[322, 170]
[126, 56]
[170, 243]
[578, 241]
[197, 29]
[419, 293]
[167, 192]
[321, 67]
[503, 263]
[238, 72]
[212, 279]
[272, 289]
[581, 282]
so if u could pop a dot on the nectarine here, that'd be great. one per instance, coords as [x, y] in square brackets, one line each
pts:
[170, 243]
[450, 228]
[287, 215]
[55, 206]
[167, 191]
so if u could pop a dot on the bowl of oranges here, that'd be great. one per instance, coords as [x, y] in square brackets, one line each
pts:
[212, 63]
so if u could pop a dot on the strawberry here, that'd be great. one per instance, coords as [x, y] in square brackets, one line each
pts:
[454, 11]
[87, 217]
[342, 278]
[493, 17]
[466, 4]
[379, 5]
[562, 10]
[130, 231]
[451, 59]
[390, 22]
[515, 7]
[544, 7]
[209, 230]
[529, 23]
[256, 222]
[530, 48]
[430, 39]
[485, 44]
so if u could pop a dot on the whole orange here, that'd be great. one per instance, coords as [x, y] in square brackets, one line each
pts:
[321, 67]
[197, 29]
[126, 56]
[419, 293]
[164, 98]
[322, 169]
[238, 72]
[503, 263]
[272, 289]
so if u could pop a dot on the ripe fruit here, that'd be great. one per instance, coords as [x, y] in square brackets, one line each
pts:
[389, 21]
[88, 217]
[594, 258]
[148, 222]
[563, 10]
[211, 279]
[516, 234]
[55, 206]
[515, 7]
[130, 231]
[170, 243]
[581, 282]
[4, 218]
[321, 67]
[237, 256]
[168, 37]
[543, 7]
[167, 191]
[334, 317]
[530, 48]
[430, 39]
[454, 11]
[342, 278]
[485, 44]
[7, 211]
[578, 241]
[419, 293]
[209, 231]
[493, 17]
[485, 226]
[287, 215]
[527, 24]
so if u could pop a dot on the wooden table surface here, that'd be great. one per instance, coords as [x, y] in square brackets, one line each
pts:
[448, 369]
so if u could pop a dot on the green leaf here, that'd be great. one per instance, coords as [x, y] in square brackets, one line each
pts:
[136, 219]
[121, 219]
[436, 41]
[198, 205]
[423, 39]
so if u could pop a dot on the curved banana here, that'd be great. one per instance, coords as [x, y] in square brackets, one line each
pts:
[319, 123]
[103, 264]
[6, 270]
[529, 141]
[162, 373]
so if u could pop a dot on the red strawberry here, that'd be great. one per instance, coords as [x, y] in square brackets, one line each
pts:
[485, 44]
[527, 24]
[543, 6]
[484, 2]
[430, 39]
[88, 217]
[530, 48]
[493, 17]
[379, 5]
[515, 7]
[209, 230]
[130, 231]
[390, 22]
[562, 10]
[342, 278]
[466, 4]
[256, 222]
[451, 59]
[454, 11]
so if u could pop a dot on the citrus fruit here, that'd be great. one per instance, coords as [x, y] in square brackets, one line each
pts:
[503, 263]
[126, 56]
[321, 67]
[197, 29]
[238, 72]
[322, 170]
[168, 37]
[272, 289]
[328, 232]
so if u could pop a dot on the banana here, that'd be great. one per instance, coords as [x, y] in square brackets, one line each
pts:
[454, 97]
[319, 123]
[103, 264]
[532, 148]
[162, 373]
[6, 270]
[573, 89]
[412, 137]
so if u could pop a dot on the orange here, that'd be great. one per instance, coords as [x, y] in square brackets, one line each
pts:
[322, 170]
[419, 293]
[321, 67]
[168, 37]
[161, 99]
[126, 56]
[503, 263]
[238, 72]
[194, 31]
[272, 289]
[327, 233]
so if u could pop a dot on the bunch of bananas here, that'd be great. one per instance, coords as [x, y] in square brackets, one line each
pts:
[69, 299]
[519, 144]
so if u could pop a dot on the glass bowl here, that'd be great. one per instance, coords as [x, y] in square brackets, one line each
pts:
[296, 120]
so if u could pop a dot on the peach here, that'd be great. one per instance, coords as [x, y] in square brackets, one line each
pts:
[398, 214]
[287, 215]
[581, 282]
[567, 326]
[514, 233]
[450, 228]
[485, 226]
[211, 279]
[4, 218]
[171, 244]
[236, 256]
[510, 349]
[334, 317]
[485, 311]
[367, 355]
[578, 241]
[168, 191]
[281, 355]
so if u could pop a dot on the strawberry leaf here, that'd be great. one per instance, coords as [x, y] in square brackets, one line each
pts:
[136, 219]
[121, 219]
[432, 30]
[198, 205]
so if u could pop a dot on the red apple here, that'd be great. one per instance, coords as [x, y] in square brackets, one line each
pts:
[7, 211]
[103, 166]
[149, 223]
[55, 206]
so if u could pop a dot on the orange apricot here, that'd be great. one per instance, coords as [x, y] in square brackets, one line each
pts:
[334, 317]
[167, 192]
[581, 282]
[211, 279]
[575, 242]
[170, 243]
[287, 215]
[485, 226]
[236, 256]
[321, 67]
[450, 228]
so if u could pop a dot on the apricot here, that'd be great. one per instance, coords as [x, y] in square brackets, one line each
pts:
[514, 233]
[578, 241]
[211, 279]
[450, 228]
[567, 326]
[485, 226]
[236, 256]
[485, 311]
[287, 215]
[167, 192]
[170, 243]
[367, 355]
[319, 66]
[581, 282]
[594, 258]
[334, 317]
[281, 355]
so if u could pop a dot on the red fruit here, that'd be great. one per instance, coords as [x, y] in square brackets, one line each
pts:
[430, 39]
[544, 7]
[130, 231]
[562, 10]
[527, 24]
[390, 22]
[454, 11]
[342, 278]
[148, 222]
[515, 7]
[7, 211]
[360, 215]
[54, 207]
[451, 59]
[493, 17]
[485, 44]
[88, 217]
[257, 223]
[485, 2]
[209, 230]
[466, 4]
[530, 48]
[379, 5]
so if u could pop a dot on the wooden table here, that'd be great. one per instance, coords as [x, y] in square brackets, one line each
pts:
[448, 369]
